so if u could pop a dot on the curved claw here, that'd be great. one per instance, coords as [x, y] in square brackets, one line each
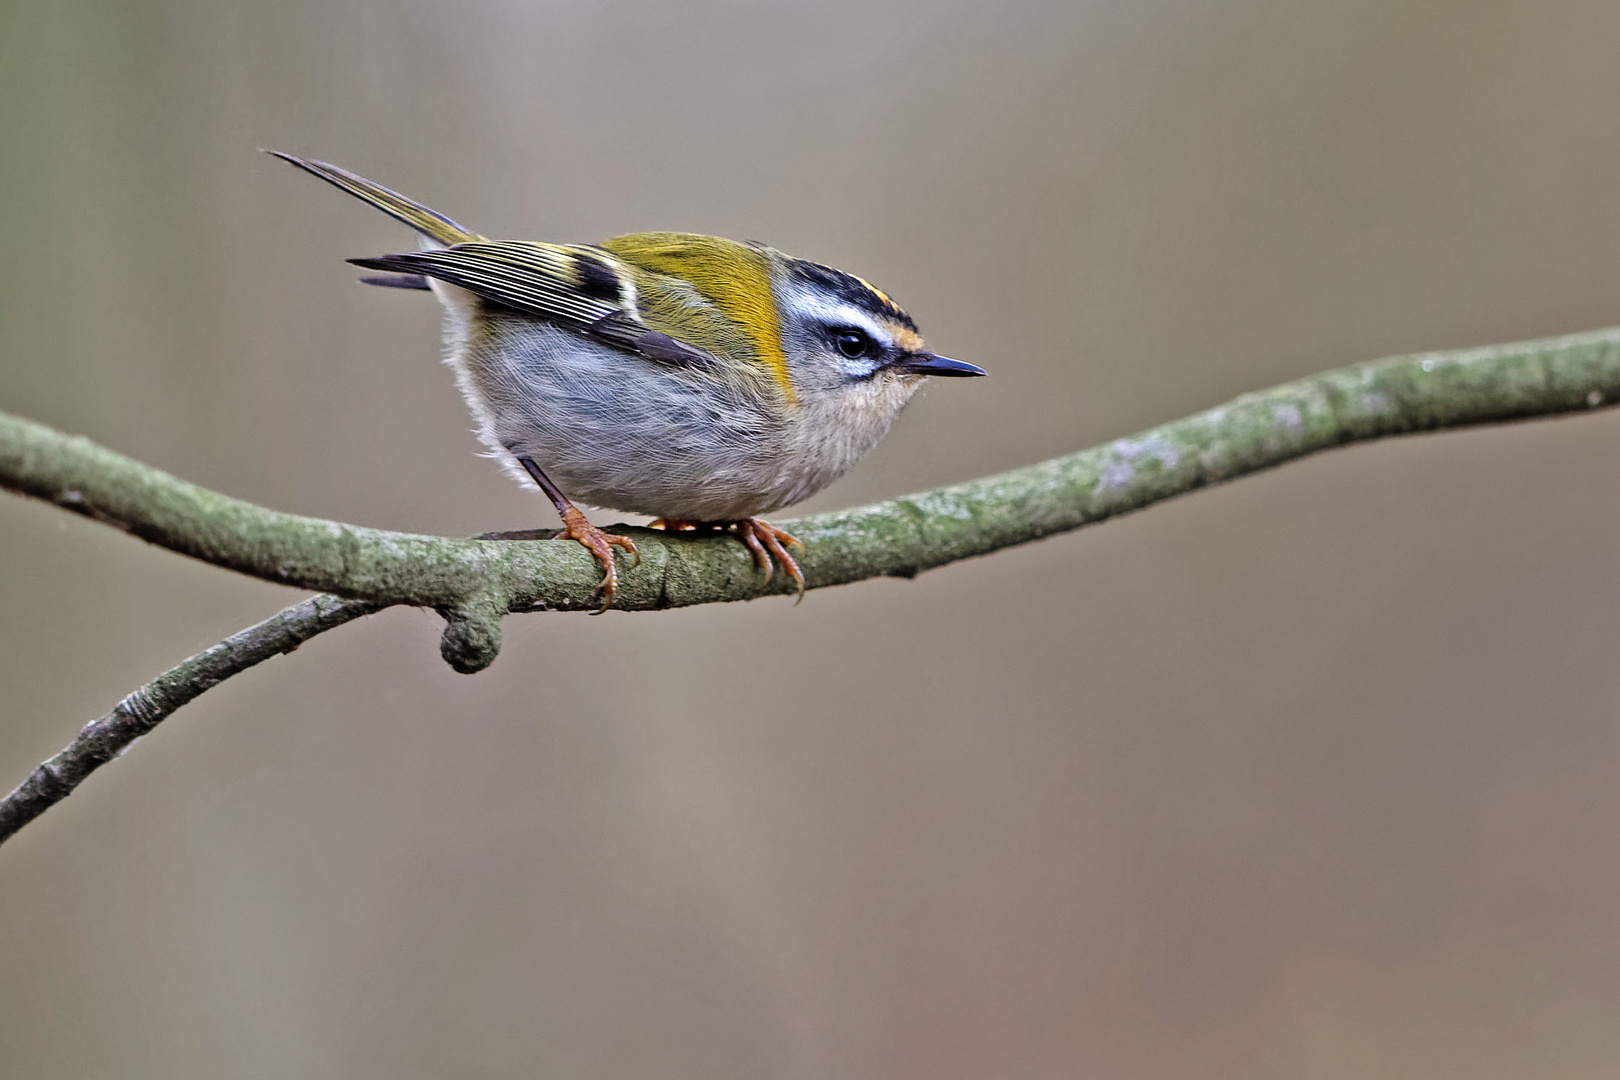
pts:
[601, 545]
[762, 558]
[767, 542]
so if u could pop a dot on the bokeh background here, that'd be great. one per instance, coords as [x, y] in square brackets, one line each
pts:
[1313, 775]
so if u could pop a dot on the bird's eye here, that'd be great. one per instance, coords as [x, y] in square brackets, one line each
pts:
[853, 343]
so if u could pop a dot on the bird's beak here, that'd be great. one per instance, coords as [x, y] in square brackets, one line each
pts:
[927, 363]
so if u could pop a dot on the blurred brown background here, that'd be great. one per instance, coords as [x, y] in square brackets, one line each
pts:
[1313, 775]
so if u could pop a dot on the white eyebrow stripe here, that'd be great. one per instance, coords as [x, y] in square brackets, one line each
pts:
[840, 314]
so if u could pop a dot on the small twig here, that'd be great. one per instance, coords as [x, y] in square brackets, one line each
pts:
[102, 740]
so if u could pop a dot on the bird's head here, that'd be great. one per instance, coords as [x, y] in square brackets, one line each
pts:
[847, 339]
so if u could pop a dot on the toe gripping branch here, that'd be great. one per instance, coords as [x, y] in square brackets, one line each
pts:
[767, 543]
[576, 527]
[600, 544]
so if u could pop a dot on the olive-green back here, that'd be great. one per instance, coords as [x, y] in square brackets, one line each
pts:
[712, 293]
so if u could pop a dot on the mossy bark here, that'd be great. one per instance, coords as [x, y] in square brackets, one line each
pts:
[475, 583]
[478, 578]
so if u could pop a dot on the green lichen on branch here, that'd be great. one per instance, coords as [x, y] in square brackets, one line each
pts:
[475, 583]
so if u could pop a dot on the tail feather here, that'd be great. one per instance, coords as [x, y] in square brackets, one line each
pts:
[429, 223]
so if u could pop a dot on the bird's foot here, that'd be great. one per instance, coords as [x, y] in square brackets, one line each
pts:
[767, 542]
[600, 544]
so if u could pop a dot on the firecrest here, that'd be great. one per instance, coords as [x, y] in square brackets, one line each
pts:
[697, 380]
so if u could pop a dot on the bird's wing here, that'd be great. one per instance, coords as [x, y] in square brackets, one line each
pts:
[711, 293]
[583, 289]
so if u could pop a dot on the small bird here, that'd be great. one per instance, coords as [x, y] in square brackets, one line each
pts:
[697, 380]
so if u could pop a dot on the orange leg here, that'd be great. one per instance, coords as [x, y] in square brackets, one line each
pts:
[576, 527]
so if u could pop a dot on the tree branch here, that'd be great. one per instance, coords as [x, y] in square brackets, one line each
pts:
[474, 583]
[102, 740]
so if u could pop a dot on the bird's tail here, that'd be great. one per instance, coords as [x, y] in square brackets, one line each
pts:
[429, 223]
